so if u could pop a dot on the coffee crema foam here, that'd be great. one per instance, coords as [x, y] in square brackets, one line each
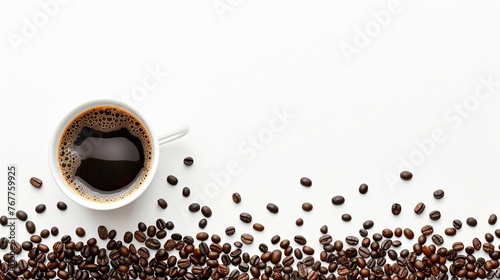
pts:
[104, 119]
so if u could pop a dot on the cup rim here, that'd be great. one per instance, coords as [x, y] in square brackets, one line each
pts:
[61, 182]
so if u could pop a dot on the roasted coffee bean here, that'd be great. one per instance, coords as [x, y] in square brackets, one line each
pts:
[102, 232]
[396, 209]
[338, 200]
[419, 208]
[451, 231]
[80, 232]
[346, 217]
[363, 232]
[202, 223]
[323, 229]
[30, 227]
[139, 236]
[151, 231]
[152, 243]
[188, 161]
[246, 217]
[40, 208]
[275, 239]
[230, 230]
[435, 215]
[437, 239]
[54, 231]
[162, 203]
[273, 208]
[306, 206]
[363, 188]
[194, 207]
[406, 175]
[457, 224]
[206, 211]
[352, 240]
[169, 225]
[236, 197]
[21, 215]
[186, 192]
[438, 194]
[4, 220]
[258, 227]
[299, 222]
[44, 233]
[128, 236]
[301, 240]
[492, 219]
[398, 232]
[15, 248]
[172, 180]
[408, 233]
[306, 182]
[476, 243]
[471, 221]
[427, 230]
[308, 250]
[36, 182]
[488, 248]
[246, 238]
[61, 206]
[488, 237]
[368, 224]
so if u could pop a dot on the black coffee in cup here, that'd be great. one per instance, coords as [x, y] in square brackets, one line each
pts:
[105, 153]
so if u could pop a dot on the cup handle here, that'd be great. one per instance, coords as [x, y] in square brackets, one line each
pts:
[174, 134]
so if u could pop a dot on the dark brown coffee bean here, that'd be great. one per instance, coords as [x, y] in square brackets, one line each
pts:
[363, 188]
[230, 230]
[419, 208]
[438, 194]
[451, 231]
[128, 236]
[151, 231]
[202, 223]
[30, 227]
[162, 203]
[61, 206]
[338, 200]
[492, 219]
[323, 229]
[471, 222]
[352, 240]
[306, 182]
[54, 231]
[427, 230]
[273, 208]
[476, 243]
[408, 233]
[139, 236]
[457, 224]
[246, 238]
[45, 233]
[368, 224]
[102, 232]
[36, 182]
[488, 237]
[194, 207]
[152, 243]
[21, 215]
[206, 211]
[301, 240]
[396, 209]
[246, 217]
[363, 232]
[202, 236]
[275, 239]
[325, 239]
[398, 232]
[306, 206]
[435, 215]
[308, 250]
[186, 192]
[406, 175]
[40, 208]
[437, 239]
[4, 220]
[258, 227]
[80, 232]
[299, 222]
[236, 197]
[172, 180]
[188, 161]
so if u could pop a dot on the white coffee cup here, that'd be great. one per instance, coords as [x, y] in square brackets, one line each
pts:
[156, 141]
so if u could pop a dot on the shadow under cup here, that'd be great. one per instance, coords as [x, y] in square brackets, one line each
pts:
[103, 155]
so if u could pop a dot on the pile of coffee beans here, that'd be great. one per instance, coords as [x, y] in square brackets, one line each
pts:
[158, 252]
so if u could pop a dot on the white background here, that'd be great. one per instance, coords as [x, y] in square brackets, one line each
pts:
[354, 118]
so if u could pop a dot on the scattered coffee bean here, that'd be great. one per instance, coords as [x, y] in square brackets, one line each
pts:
[363, 232]
[306, 206]
[80, 232]
[54, 231]
[273, 208]
[258, 227]
[408, 233]
[169, 225]
[186, 192]
[30, 227]
[338, 200]
[202, 223]
[471, 221]
[230, 230]
[346, 217]
[406, 175]
[45, 233]
[299, 222]
[172, 180]
[245, 217]
[363, 188]
[306, 182]
[398, 232]
[488, 237]
[437, 239]
[368, 224]
[194, 207]
[206, 211]
[162, 203]
[188, 161]
[128, 236]
[21, 215]
[202, 236]
[457, 224]
[497, 233]
[236, 197]
[419, 208]
[492, 219]
[396, 209]
[246, 238]
[275, 239]
[323, 229]
[61, 206]
[352, 240]
[438, 194]
[427, 230]
[40, 208]
[451, 231]
[301, 240]
[102, 232]
[4, 220]
[435, 215]
[36, 182]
